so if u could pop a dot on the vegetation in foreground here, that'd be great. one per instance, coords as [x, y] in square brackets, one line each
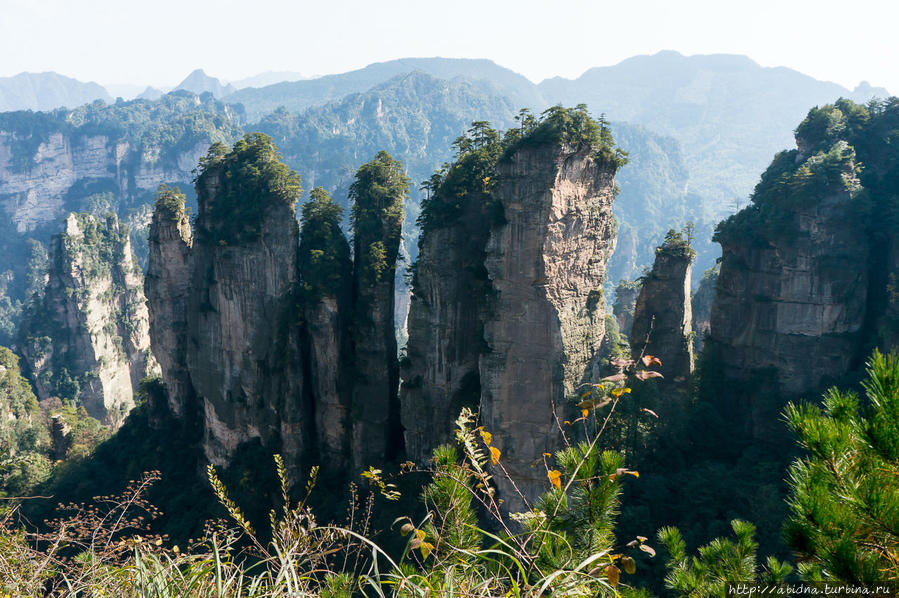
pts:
[842, 526]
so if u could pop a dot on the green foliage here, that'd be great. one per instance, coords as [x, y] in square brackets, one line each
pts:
[238, 187]
[469, 175]
[325, 263]
[677, 244]
[569, 126]
[378, 193]
[719, 563]
[844, 502]
[24, 439]
[170, 202]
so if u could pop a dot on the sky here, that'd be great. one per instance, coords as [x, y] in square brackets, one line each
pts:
[159, 42]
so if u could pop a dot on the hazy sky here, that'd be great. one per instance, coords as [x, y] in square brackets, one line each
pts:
[159, 42]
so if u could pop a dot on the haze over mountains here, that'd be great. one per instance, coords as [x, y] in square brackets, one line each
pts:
[700, 129]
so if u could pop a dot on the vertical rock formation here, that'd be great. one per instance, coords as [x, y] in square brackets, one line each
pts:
[440, 370]
[625, 302]
[702, 306]
[167, 286]
[378, 194]
[244, 352]
[793, 293]
[663, 321]
[544, 325]
[507, 311]
[232, 291]
[327, 286]
[88, 338]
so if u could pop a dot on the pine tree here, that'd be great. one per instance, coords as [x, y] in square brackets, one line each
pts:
[844, 499]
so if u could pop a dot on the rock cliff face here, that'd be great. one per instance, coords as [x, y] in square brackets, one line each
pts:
[378, 194]
[625, 301]
[546, 264]
[507, 314]
[232, 288]
[88, 339]
[663, 311]
[270, 342]
[167, 286]
[441, 368]
[803, 285]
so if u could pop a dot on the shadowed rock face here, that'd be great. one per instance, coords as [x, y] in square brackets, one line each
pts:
[795, 303]
[167, 286]
[89, 338]
[441, 368]
[663, 313]
[792, 295]
[545, 321]
[255, 349]
[244, 352]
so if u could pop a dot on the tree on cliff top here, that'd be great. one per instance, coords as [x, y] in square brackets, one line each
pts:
[569, 126]
[378, 193]
[324, 250]
[471, 172]
[240, 185]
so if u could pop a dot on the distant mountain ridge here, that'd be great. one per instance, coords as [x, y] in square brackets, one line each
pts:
[46, 91]
[299, 95]
[199, 82]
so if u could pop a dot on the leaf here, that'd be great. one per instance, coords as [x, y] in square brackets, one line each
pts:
[420, 534]
[612, 574]
[617, 392]
[487, 436]
[649, 360]
[630, 566]
[651, 412]
[648, 549]
[622, 363]
[594, 404]
[426, 549]
[615, 378]
[586, 394]
[647, 374]
[585, 412]
[555, 477]
[407, 529]
[642, 539]
[494, 455]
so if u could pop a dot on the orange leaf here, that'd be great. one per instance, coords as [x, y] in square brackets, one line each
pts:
[494, 455]
[649, 360]
[612, 574]
[555, 477]
[585, 412]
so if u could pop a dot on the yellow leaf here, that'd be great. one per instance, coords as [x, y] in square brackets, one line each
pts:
[612, 574]
[494, 455]
[420, 534]
[586, 394]
[487, 436]
[555, 477]
[585, 412]
[547, 454]
[617, 392]
[630, 566]
[426, 549]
